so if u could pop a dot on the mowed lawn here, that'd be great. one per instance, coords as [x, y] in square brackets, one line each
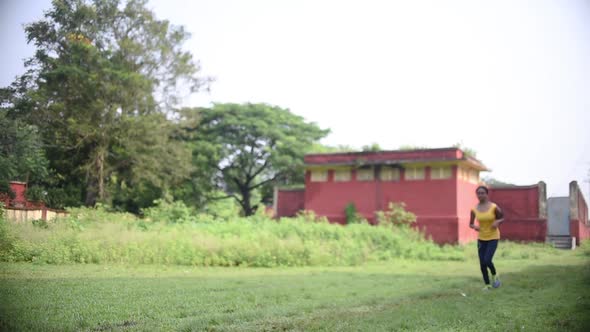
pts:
[551, 293]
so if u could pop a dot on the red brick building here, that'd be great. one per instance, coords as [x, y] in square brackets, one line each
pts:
[438, 185]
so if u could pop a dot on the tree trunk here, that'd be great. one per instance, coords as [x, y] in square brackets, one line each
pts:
[90, 199]
[100, 166]
[246, 204]
[95, 178]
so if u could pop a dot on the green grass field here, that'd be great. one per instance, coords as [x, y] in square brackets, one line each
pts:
[545, 292]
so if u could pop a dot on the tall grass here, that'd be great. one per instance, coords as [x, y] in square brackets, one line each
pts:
[98, 236]
[173, 234]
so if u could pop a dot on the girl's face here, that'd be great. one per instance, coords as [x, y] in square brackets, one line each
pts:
[482, 195]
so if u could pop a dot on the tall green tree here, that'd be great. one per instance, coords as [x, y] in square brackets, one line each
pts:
[490, 181]
[470, 152]
[22, 156]
[148, 163]
[321, 148]
[373, 147]
[103, 77]
[247, 146]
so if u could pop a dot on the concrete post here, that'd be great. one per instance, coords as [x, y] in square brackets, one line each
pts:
[574, 200]
[542, 200]
[275, 201]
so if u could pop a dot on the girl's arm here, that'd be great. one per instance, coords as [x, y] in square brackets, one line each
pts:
[472, 220]
[499, 217]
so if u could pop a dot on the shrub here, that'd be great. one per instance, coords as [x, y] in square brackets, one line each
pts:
[170, 212]
[40, 223]
[36, 194]
[60, 198]
[395, 214]
[223, 209]
[309, 216]
[352, 215]
[585, 247]
[7, 239]
[5, 189]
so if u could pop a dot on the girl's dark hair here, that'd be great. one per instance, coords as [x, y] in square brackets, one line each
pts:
[484, 188]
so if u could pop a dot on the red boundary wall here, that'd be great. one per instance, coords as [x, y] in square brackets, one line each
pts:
[579, 223]
[525, 211]
[288, 202]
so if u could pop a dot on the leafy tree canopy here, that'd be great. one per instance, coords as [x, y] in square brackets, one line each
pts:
[101, 88]
[247, 146]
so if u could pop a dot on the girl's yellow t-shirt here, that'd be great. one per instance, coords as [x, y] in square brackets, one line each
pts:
[486, 219]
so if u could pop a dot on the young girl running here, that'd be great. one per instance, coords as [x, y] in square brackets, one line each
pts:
[489, 217]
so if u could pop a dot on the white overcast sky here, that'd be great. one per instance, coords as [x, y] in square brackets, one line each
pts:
[510, 79]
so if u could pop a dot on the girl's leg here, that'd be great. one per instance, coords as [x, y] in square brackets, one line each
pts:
[489, 255]
[482, 250]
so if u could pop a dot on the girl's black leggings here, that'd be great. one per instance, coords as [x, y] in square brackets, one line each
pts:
[486, 250]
